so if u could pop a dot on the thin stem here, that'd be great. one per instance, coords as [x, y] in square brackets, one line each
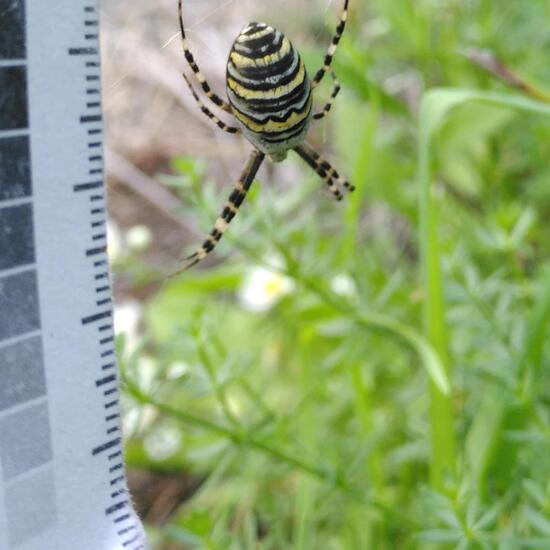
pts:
[218, 389]
[489, 63]
[443, 462]
[243, 438]
[373, 322]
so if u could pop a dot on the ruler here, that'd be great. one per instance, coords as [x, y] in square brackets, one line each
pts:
[62, 480]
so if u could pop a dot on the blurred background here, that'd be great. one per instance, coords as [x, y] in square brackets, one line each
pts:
[370, 374]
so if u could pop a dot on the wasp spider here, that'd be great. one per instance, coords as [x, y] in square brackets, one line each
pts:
[270, 99]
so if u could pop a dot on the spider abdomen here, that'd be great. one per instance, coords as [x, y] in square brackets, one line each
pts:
[269, 90]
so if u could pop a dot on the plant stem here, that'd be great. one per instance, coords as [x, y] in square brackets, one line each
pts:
[436, 105]
[441, 416]
[243, 438]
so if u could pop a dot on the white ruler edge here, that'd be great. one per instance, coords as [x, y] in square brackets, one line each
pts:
[85, 505]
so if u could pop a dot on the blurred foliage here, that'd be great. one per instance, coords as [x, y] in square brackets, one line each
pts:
[289, 379]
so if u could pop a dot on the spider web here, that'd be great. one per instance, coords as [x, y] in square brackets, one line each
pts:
[213, 12]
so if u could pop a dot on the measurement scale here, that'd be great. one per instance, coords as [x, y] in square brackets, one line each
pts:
[62, 481]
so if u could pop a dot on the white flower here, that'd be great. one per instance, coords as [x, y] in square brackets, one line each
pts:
[163, 442]
[146, 372]
[343, 285]
[139, 237]
[114, 241]
[177, 370]
[126, 320]
[263, 288]
[138, 419]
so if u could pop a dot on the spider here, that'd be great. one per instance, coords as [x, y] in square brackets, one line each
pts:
[270, 98]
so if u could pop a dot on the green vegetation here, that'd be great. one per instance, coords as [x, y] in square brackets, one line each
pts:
[371, 374]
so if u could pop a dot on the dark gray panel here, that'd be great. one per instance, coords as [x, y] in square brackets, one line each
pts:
[21, 372]
[19, 308]
[26, 440]
[12, 29]
[13, 98]
[15, 172]
[16, 236]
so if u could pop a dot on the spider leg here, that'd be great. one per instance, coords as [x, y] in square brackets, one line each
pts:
[324, 169]
[216, 99]
[225, 127]
[332, 48]
[321, 172]
[326, 109]
[229, 211]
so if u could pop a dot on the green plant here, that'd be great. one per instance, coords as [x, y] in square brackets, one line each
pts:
[374, 376]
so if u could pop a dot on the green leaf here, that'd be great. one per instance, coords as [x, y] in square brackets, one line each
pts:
[436, 107]
[184, 536]
[540, 522]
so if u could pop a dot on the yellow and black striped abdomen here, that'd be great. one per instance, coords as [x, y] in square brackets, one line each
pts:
[269, 90]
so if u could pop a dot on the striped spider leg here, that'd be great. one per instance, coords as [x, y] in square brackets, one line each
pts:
[215, 98]
[332, 48]
[324, 169]
[230, 209]
[335, 91]
[220, 124]
[270, 97]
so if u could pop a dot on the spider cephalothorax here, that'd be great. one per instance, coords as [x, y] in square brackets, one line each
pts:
[270, 97]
